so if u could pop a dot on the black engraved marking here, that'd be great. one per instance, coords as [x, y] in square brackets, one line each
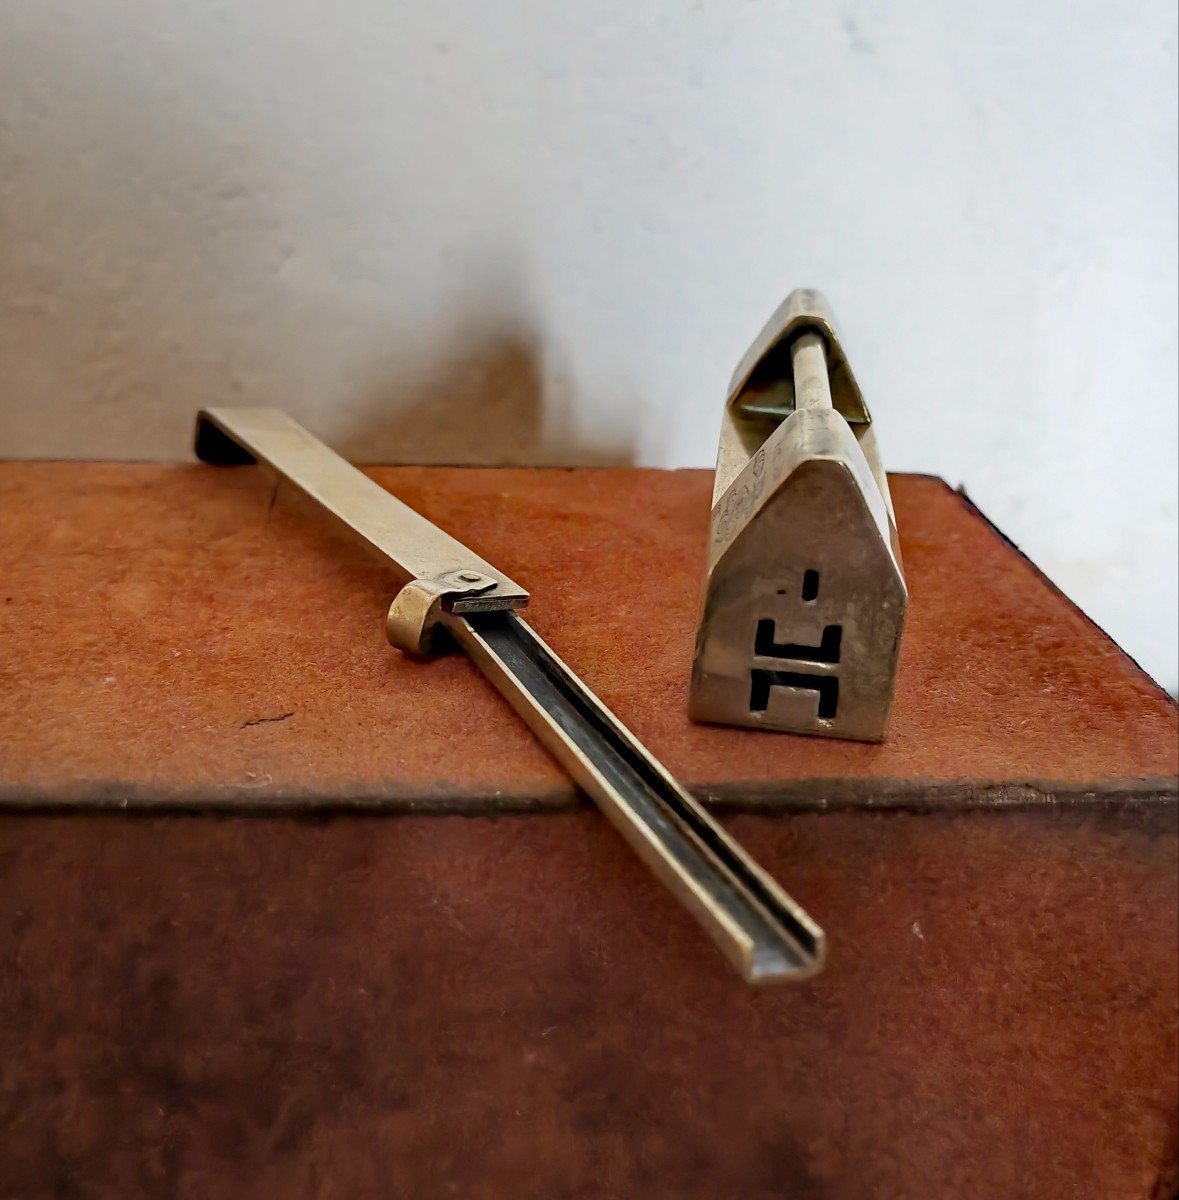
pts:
[826, 685]
[810, 586]
[827, 651]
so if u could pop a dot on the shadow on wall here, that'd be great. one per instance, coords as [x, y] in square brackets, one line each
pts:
[484, 406]
[158, 256]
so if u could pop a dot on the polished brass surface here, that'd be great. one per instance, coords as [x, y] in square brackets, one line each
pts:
[414, 620]
[805, 597]
[763, 383]
[755, 924]
[417, 550]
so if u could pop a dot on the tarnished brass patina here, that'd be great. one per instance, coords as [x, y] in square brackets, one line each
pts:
[451, 596]
[805, 598]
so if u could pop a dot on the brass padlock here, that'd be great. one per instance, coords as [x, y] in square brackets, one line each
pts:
[805, 597]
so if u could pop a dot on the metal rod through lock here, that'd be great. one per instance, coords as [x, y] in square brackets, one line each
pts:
[759, 928]
[812, 382]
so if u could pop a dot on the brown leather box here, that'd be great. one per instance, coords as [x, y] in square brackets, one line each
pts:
[285, 914]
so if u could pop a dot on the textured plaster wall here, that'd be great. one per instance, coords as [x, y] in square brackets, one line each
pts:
[539, 232]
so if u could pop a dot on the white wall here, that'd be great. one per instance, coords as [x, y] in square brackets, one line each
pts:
[545, 232]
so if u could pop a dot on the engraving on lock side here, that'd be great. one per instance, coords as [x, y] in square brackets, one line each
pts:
[805, 597]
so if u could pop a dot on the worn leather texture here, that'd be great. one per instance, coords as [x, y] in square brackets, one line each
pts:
[283, 1002]
[191, 635]
[425, 1007]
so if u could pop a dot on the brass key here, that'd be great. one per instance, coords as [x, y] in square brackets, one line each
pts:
[446, 588]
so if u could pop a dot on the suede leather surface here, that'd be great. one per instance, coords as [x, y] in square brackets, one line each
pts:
[425, 1007]
[384, 1004]
[191, 634]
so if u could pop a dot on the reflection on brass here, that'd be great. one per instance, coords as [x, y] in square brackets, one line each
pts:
[448, 589]
[805, 598]
[437, 573]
